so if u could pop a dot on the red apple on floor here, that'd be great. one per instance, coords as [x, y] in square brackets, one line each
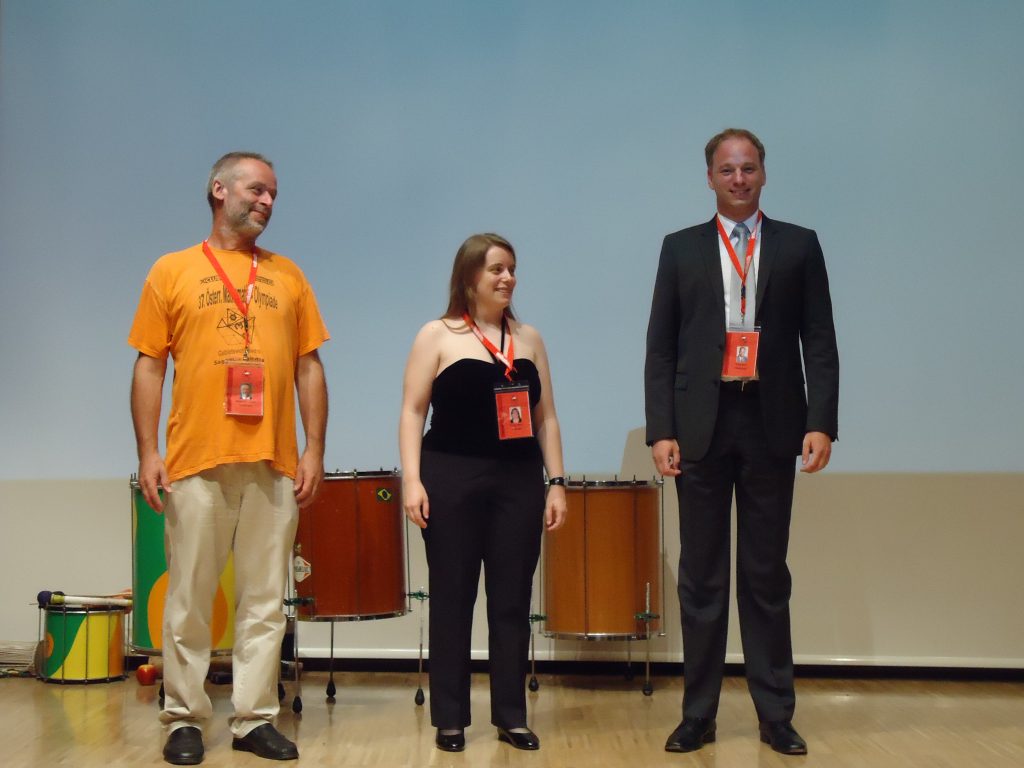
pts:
[146, 674]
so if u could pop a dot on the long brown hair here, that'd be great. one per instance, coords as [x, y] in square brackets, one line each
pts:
[469, 260]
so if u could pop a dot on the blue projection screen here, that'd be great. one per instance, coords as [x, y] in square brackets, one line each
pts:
[575, 129]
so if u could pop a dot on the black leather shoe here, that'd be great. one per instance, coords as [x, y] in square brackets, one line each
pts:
[519, 739]
[783, 738]
[691, 734]
[451, 742]
[184, 746]
[266, 741]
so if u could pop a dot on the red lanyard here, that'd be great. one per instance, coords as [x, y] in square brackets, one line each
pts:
[242, 307]
[489, 345]
[745, 269]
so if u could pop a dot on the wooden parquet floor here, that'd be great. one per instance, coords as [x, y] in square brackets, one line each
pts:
[581, 720]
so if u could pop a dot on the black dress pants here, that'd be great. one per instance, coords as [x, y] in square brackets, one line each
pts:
[488, 512]
[738, 460]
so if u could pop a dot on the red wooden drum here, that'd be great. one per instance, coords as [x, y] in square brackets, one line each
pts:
[603, 567]
[350, 552]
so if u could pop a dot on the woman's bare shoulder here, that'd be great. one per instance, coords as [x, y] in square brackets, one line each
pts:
[528, 333]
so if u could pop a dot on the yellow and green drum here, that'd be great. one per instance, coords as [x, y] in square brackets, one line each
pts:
[149, 585]
[83, 644]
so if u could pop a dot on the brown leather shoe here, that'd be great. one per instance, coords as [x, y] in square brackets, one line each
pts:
[783, 738]
[184, 746]
[691, 734]
[266, 741]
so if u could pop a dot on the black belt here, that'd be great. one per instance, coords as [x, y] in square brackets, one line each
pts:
[741, 387]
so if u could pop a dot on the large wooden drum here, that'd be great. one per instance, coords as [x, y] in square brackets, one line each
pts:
[602, 569]
[350, 557]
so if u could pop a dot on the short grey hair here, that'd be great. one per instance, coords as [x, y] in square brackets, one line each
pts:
[223, 167]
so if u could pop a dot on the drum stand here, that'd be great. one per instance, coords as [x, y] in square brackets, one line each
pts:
[534, 618]
[297, 701]
[331, 688]
[421, 596]
[646, 617]
[293, 603]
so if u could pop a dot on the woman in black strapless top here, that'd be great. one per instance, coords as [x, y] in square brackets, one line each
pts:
[475, 483]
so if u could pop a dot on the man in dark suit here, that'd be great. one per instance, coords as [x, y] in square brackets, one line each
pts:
[740, 315]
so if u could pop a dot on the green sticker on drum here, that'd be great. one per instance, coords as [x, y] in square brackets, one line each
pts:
[384, 494]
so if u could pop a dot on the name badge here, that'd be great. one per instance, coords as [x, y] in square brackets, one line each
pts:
[243, 394]
[513, 406]
[740, 358]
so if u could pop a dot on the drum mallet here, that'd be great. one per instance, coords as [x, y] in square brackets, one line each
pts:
[46, 598]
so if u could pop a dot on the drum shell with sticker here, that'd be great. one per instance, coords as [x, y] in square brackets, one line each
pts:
[149, 585]
[82, 644]
[349, 555]
[603, 567]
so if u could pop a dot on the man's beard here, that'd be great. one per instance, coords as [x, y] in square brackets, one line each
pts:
[245, 224]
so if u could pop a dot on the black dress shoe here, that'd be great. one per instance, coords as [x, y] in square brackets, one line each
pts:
[184, 746]
[782, 737]
[266, 741]
[451, 742]
[691, 734]
[519, 739]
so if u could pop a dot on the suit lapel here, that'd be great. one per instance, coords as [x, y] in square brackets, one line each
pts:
[712, 259]
[769, 251]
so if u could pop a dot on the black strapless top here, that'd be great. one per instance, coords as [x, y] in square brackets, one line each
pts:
[464, 420]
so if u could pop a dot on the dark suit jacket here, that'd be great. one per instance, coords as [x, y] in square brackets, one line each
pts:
[686, 340]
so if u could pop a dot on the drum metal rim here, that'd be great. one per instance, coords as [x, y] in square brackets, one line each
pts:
[612, 484]
[142, 650]
[83, 681]
[599, 635]
[354, 474]
[355, 617]
[85, 609]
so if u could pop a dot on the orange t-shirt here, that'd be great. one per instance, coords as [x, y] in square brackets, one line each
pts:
[185, 311]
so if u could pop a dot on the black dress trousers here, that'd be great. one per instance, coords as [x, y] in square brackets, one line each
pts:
[483, 511]
[739, 460]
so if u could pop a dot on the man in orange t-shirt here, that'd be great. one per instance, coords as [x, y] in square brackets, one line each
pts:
[234, 318]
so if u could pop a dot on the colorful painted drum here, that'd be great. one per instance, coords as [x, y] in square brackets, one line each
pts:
[602, 569]
[149, 585]
[83, 644]
[350, 550]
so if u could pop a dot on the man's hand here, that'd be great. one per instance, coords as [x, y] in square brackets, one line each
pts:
[153, 476]
[309, 475]
[666, 457]
[817, 451]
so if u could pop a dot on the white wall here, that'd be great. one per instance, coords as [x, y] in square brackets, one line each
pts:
[888, 569]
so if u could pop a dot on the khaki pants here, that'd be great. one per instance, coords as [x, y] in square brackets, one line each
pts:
[250, 509]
